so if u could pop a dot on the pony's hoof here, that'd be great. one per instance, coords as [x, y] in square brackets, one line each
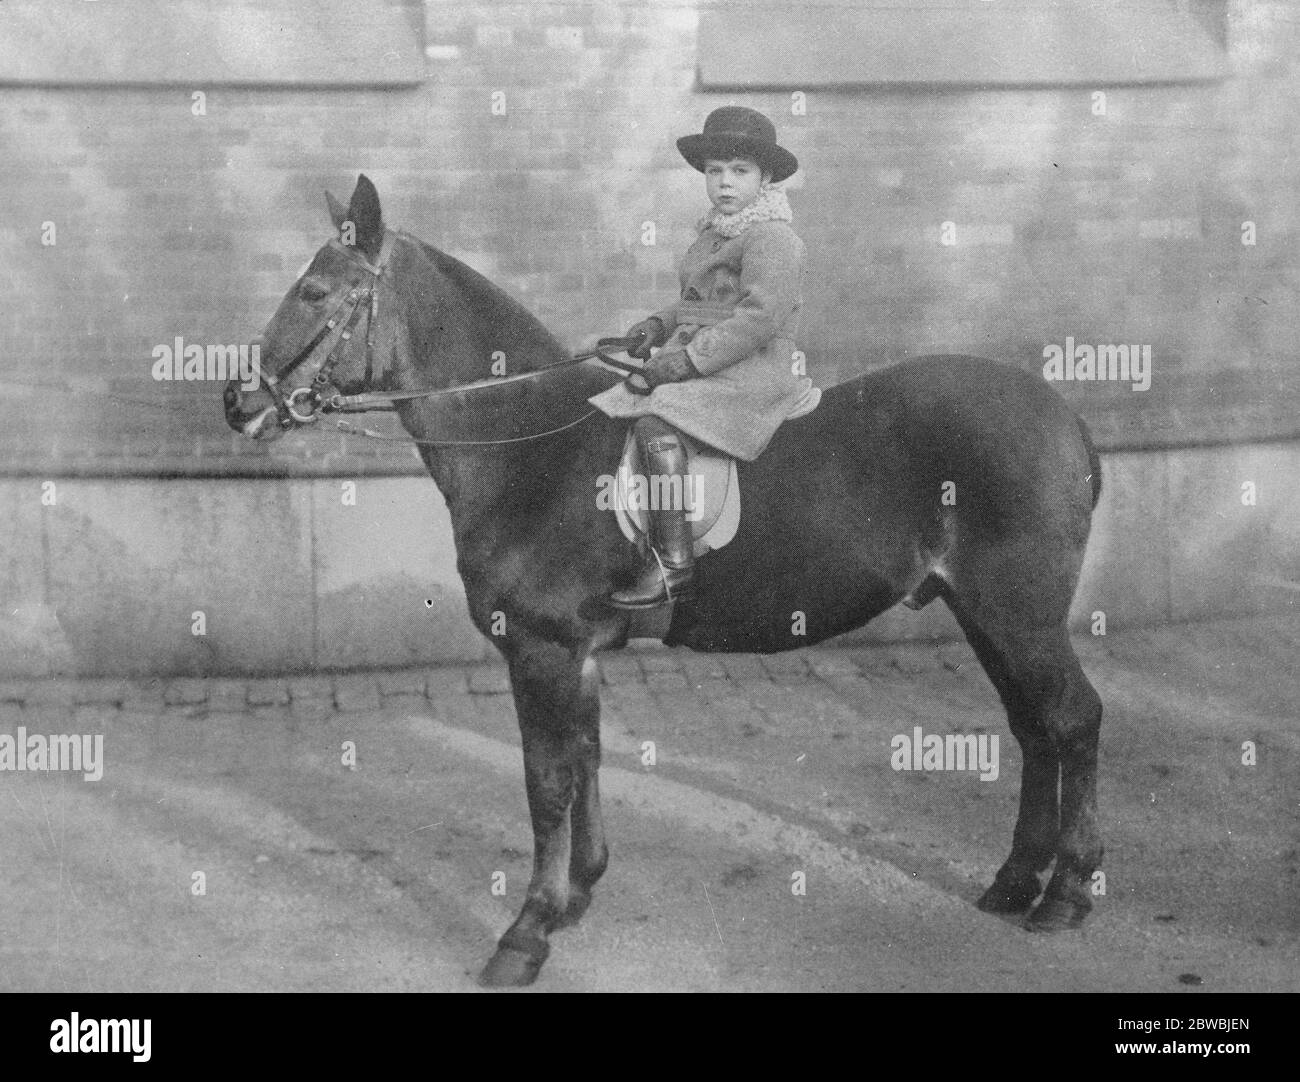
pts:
[1056, 915]
[1010, 893]
[510, 968]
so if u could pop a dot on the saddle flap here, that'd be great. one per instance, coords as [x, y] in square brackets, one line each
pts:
[710, 494]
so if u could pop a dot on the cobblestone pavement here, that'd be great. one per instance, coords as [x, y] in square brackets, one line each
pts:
[230, 843]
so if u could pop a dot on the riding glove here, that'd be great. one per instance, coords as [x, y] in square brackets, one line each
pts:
[669, 366]
[651, 333]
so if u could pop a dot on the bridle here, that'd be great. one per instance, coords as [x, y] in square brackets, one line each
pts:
[305, 404]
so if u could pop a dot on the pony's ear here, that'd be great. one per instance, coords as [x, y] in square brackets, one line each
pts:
[338, 212]
[364, 213]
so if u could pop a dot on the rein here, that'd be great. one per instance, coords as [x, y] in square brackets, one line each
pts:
[352, 430]
[305, 404]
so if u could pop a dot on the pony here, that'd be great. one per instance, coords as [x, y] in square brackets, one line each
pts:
[942, 477]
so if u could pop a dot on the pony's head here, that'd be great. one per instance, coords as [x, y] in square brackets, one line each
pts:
[322, 340]
[380, 311]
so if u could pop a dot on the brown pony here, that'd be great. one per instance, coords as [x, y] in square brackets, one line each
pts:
[942, 477]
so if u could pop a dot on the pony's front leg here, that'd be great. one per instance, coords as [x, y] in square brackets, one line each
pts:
[590, 854]
[559, 719]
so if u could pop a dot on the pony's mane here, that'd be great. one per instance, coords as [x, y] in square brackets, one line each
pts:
[515, 328]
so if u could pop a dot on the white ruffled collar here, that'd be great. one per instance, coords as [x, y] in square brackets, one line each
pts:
[771, 205]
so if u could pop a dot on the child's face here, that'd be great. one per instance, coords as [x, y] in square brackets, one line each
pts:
[733, 185]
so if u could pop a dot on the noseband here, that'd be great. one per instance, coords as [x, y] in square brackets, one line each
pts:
[302, 405]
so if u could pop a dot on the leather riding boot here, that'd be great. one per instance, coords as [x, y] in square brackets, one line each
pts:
[672, 556]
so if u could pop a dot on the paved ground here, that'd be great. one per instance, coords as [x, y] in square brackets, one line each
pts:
[318, 877]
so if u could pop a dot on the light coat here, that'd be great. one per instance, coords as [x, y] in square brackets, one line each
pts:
[747, 384]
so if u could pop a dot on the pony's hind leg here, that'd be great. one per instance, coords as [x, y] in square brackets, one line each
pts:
[1055, 715]
[1033, 844]
[1074, 720]
[559, 721]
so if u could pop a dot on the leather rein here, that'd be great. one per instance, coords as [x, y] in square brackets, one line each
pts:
[305, 404]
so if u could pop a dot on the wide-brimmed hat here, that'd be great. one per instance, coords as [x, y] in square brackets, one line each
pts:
[737, 132]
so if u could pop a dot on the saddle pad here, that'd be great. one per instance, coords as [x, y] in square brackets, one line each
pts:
[710, 492]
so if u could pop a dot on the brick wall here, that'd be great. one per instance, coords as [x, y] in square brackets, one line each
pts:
[1117, 228]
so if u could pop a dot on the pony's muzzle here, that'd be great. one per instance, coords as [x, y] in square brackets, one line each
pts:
[264, 426]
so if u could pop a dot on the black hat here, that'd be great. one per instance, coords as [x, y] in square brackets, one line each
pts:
[737, 132]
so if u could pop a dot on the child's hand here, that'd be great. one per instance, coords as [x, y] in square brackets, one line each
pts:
[669, 366]
[651, 333]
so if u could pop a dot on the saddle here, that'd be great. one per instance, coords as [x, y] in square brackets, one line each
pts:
[710, 494]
